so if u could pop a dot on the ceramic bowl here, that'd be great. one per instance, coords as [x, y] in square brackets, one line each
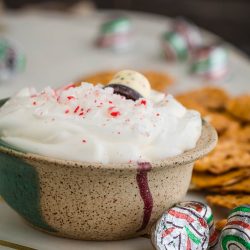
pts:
[91, 201]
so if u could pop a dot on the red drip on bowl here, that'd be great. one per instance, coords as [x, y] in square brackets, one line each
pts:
[142, 182]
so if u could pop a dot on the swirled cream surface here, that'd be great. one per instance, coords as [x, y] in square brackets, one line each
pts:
[92, 124]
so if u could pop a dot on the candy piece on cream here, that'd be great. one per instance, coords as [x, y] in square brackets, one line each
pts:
[125, 91]
[133, 80]
[92, 124]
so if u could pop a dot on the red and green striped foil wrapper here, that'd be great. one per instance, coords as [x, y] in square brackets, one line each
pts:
[174, 46]
[12, 59]
[236, 234]
[205, 211]
[181, 228]
[210, 62]
[189, 31]
[115, 33]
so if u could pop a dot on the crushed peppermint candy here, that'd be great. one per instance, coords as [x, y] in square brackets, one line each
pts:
[113, 128]
[70, 97]
[115, 113]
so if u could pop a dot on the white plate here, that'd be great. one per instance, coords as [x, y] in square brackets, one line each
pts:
[60, 49]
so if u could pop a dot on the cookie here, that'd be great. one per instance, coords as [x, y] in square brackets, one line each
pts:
[228, 201]
[242, 186]
[206, 180]
[211, 98]
[240, 107]
[222, 122]
[219, 225]
[241, 134]
[226, 156]
[102, 77]
[189, 103]
[158, 80]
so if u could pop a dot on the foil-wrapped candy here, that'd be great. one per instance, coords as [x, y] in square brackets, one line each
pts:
[12, 59]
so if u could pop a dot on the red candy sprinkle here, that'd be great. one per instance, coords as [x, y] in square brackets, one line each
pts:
[76, 109]
[70, 97]
[115, 113]
[66, 111]
[144, 102]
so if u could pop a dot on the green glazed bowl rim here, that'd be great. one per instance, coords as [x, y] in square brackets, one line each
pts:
[205, 144]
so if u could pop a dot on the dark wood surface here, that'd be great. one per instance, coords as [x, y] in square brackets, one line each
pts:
[229, 19]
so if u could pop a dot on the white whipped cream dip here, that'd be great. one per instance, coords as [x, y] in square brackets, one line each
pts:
[91, 124]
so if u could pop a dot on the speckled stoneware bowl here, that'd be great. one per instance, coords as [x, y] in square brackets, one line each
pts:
[92, 201]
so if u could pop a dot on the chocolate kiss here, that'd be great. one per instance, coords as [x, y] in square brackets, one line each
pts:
[125, 91]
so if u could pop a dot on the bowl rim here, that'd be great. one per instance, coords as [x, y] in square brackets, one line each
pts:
[206, 143]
